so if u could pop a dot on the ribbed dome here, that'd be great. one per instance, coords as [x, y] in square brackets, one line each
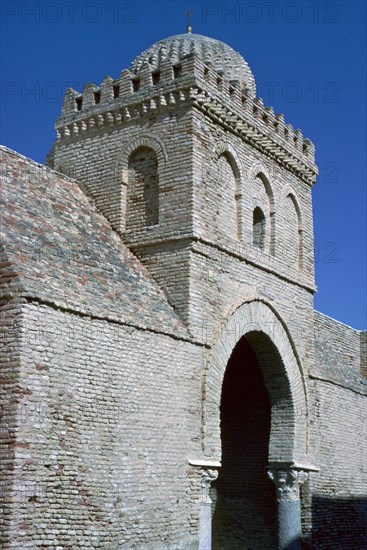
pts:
[213, 52]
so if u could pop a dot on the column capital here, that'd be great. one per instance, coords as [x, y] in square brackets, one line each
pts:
[207, 469]
[287, 482]
[208, 475]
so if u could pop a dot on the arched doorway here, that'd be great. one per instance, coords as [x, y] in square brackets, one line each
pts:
[254, 424]
[244, 501]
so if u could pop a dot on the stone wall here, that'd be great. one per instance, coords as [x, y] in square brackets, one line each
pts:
[338, 421]
[11, 388]
[363, 336]
[106, 422]
[338, 350]
[188, 206]
[100, 398]
[337, 493]
[220, 283]
[99, 160]
[233, 268]
[64, 251]
[270, 196]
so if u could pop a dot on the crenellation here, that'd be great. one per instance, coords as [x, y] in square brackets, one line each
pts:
[279, 118]
[69, 104]
[223, 88]
[124, 82]
[288, 131]
[246, 105]
[167, 74]
[258, 107]
[210, 77]
[269, 116]
[235, 96]
[146, 79]
[107, 91]
[193, 67]
[235, 106]
[309, 148]
[217, 88]
[298, 140]
[89, 96]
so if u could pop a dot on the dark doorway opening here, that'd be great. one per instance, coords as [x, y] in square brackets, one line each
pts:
[244, 500]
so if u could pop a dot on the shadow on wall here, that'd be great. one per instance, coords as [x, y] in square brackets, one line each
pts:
[338, 524]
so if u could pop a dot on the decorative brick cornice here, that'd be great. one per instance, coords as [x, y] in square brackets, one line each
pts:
[200, 86]
[243, 125]
[268, 143]
[113, 116]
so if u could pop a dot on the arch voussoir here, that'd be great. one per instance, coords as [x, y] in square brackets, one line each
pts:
[283, 378]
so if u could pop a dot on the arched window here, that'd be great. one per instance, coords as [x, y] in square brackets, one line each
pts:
[262, 213]
[228, 199]
[293, 233]
[258, 228]
[143, 189]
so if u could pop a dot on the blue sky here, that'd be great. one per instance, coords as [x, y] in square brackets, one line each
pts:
[309, 62]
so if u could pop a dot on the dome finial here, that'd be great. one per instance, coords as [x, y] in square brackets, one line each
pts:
[188, 14]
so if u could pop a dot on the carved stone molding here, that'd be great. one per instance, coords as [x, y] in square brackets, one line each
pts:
[208, 472]
[207, 477]
[287, 482]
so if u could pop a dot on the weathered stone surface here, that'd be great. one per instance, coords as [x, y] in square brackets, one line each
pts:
[171, 234]
[65, 253]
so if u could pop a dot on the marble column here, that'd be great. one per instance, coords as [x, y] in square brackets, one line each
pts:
[206, 471]
[287, 482]
[208, 475]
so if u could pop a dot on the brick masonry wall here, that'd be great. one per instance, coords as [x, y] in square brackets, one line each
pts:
[99, 160]
[337, 349]
[363, 336]
[71, 381]
[211, 138]
[11, 388]
[338, 422]
[108, 418]
[65, 252]
[337, 502]
[220, 283]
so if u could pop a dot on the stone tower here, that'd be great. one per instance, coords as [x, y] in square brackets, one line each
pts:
[196, 175]
[166, 382]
